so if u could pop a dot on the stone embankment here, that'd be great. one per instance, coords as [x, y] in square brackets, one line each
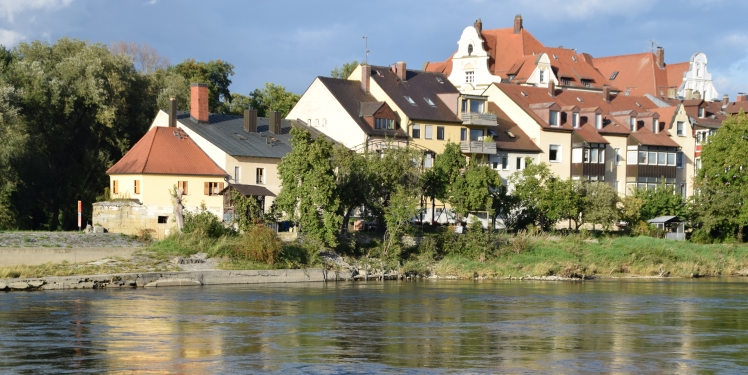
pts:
[164, 279]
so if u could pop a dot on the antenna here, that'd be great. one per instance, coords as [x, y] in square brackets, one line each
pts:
[366, 38]
[652, 44]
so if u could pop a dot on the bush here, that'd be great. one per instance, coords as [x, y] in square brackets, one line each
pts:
[204, 223]
[260, 244]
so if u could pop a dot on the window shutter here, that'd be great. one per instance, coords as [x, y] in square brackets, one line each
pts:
[220, 187]
[115, 189]
[184, 187]
[207, 188]
[136, 187]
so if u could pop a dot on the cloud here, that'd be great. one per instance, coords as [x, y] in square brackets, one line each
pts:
[585, 9]
[10, 8]
[739, 40]
[151, 2]
[10, 38]
[734, 79]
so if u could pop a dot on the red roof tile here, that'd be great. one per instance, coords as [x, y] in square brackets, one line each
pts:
[166, 151]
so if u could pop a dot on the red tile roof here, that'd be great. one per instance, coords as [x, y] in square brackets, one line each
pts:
[166, 151]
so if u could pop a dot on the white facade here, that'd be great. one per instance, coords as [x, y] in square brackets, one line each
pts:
[543, 73]
[506, 163]
[470, 72]
[698, 79]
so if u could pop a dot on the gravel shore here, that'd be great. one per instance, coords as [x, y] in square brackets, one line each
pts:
[66, 240]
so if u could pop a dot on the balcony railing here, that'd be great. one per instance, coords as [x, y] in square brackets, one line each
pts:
[478, 147]
[487, 119]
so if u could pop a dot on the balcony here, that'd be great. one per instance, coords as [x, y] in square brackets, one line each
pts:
[471, 118]
[477, 147]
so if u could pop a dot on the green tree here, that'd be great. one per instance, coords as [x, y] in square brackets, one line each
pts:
[475, 190]
[722, 180]
[345, 71]
[438, 181]
[172, 85]
[353, 181]
[308, 190]
[215, 73]
[599, 204]
[403, 206]
[664, 200]
[238, 104]
[247, 211]
[272, 97]
[394, 167]
[535, 189]
[12, 142]
[80, 108]
[568, 202]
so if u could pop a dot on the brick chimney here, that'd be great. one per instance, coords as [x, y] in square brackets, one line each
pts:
[741, 97]
[725, 100]
[365, 77]
[517, 23]
[172, 113]
[606, 93]
[552, 89]
[199, 102]
[400, 70]
[661, 57]
[274, 122]
[250, 120]
[478, 25]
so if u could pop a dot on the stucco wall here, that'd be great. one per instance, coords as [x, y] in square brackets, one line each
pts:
[155, 190]
[248, 173]
[131, 218]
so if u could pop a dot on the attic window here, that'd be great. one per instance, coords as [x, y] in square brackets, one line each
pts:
[410, 100]
[429, 101]
[613, 76]
[628, 91]
[470, 49]
[440, 79]
[638, 105]
[586, 82]
[377, 73]
[239, 137]
[510, 134]
[555, 57]
[565, 81]
[580, 99]
[574, 58]
[523, 93]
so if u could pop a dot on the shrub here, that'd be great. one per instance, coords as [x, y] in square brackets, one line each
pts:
[145, 235]
[203, 223]
[260, 244]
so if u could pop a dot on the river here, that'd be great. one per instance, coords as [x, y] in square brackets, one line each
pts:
[410, 327]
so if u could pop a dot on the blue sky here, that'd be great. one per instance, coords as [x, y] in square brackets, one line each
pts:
[291, 42]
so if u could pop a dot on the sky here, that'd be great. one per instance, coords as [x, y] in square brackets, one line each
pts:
[291, 42]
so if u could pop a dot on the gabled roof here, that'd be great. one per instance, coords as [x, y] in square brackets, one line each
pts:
[509, 136]
[353, 98]
[647, 138]
[370, 108]
[166, 151]
[227, 133]
[590, 134]
[418, 86]
[639, 73]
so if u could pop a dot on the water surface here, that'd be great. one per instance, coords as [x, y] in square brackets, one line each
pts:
[630, 326]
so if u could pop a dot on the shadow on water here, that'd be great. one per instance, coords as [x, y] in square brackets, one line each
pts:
[626, 326]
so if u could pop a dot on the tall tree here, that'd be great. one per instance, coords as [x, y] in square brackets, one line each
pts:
[215, 73]
[599, 204]
[353, 181]
[535, 188]
[475, 190]
[308, 191]
[272, 97]
[345, 71]
[81, 107]
[438, 182]
[145, 58]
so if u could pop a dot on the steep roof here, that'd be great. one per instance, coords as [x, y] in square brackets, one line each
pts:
[166, 151]
[418, 86]
[508, 135]
[640, 73]
[227, 133]
[647, 138]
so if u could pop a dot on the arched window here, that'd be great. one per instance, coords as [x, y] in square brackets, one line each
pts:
[470, 49]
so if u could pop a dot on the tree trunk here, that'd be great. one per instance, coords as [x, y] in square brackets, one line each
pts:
[54, 221]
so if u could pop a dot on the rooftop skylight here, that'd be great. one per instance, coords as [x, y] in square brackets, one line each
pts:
[410, 100]
[429, 101]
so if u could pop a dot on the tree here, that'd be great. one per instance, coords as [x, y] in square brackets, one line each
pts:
[600, 200]
[145, 58]
[272, 97]
[215, 73]
[568, 201]
[663, 200]
[723, 177]
[475, 190]
[80, 108]
[308, 191]
[345, 71]
[353, 181]
[238, 104]
[172, 85]
[12, 142]
[535, 188]
[438, 182]
[247, 211]
[402, 207]
[392, 168]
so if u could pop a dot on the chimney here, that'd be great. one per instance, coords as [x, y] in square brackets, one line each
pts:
[250, 121]
[552, 89]
[661, 57]
[741, 97]
[199, 102]
[478, 25]
[400, 70]
[671, 93]
[725, 100]
[606, 93]
[517, 23]
[689, 94]
[365, 78]
[697, 95]
[274, 122]
[172, 113]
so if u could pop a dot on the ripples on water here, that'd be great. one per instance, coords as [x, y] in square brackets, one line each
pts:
[656, 326]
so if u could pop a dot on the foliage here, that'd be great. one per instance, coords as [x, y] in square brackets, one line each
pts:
[238, 104]
[345, 71]
[475, 189]
[203, 222]
[78, 108]
[535, 188]
[723, 178]
[402, 207]
[172, 85]
[353, 181]
[664, 200]
[308, 193]
[599, 204]
[395, 167]
[630, 210]
[145, 58]
[247, 211]
[272, 97]
[259, 244]
[215, 73]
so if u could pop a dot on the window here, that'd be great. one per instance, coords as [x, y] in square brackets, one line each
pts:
[136, 187]
[575, 120]
[416, 131]
[652, 158]
[260, 176]
[593, 155]
[463, 134]
[428, 160]
[613, 76]
[565, 81]
[576, 155]
[617, 156]
[470, 49]
[662, 158]
[554, 153]
[586, 158]
[519, 163]
[616, 185]
[440, 133]
[701, 112]
[683, 190]
[553, 118]
[316, 122]
[504, 163]
[115, 187]
[309, 121]
[476, 106]
[464, 105]
[679, 160]
[212, 188]
[324, 122]
[410, 100]
[163, 219]
[697, 163]
[671, 159]
[476, 134]
[469, 77]
[237, 173]
[542, 76]
[429, 102]
[679, 128]
[643, 157]
[429, 132]
[182, 185]
[656, 126]
[632, 123]
[598, 121]
[384, 123]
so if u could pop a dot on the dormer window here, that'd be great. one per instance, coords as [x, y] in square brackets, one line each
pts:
[429, 101]
[553, 118]
[384, 123]
[565, 81]
[598, 121]
[632, 123]
[410, 100]
[656, 126]
[701, 112]
[575, 120]
[586, 83]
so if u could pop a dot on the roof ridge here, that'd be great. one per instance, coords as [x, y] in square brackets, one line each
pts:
[150, 148]
[624, 55]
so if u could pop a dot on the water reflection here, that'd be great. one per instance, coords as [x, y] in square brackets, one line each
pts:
[682, 326]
